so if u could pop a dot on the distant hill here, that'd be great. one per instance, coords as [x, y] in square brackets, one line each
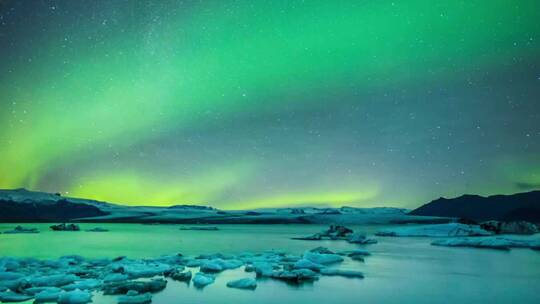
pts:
[21, 205]
[520, 206]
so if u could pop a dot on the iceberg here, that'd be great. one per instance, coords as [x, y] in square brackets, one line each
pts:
[74, 297]
[20, 229]
[342, 273]
[133, 297]
[322, 258]
[9, 296]
[47, 295]
[201, 279]
[435, 230]
[247, 283]
[489, 242]
[154, 285]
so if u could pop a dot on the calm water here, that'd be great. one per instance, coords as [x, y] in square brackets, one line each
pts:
[401, 270]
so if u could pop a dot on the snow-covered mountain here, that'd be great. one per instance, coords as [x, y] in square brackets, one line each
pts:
[23, 205]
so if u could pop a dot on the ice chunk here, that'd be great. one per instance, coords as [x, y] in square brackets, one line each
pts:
[342, 273]
[361, 239]
[133, 297]
[212, 266]
[75, 297]
[6, 275]
[145, 270]
[115, 277]
[247, 283]
[295, 276]
[489, 242]
[307, 264]
[154, 285]
[436, 230]
[88, 284]
[55, 280]
[48, 295]
[202, 279]
[21, 229]
[322, 258]
[9, 296]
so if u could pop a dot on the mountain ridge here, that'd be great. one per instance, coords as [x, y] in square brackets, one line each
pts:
[517, 206]
[25, 205]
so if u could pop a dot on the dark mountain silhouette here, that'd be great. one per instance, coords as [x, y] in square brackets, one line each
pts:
[21, 205]
[520, 206]
[59, 211]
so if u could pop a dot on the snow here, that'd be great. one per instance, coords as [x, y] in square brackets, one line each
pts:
[436, 230]
[190, 214]
[502, 243]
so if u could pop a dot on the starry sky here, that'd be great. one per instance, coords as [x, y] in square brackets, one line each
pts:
[245, 104]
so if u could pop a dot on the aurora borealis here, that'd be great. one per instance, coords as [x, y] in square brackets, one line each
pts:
[241, 104]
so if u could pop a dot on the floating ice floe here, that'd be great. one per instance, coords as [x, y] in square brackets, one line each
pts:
[152, 286]
[337, 232]
[307, 264]
[203, 279]
[65, 227]
[342, 273]
[295, 276]
[246, 283]
[436, 230]
[98, 229]
[218, 265]
[202, 228]
[21, 229]
[133, 297]
[488, 242]
[74, 297]
[55, 280]
[47, 295]
[361, 239]
[323, 258]
[511, 227]
[180, 275]
[9, 296]
[6, 275]
[115, 277]
[73, 279]
[144, 270]
[87, 284]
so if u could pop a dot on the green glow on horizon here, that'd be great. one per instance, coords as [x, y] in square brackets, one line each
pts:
[314, 198]
[132, 188]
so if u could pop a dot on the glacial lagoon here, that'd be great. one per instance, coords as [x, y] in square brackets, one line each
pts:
[399, 270]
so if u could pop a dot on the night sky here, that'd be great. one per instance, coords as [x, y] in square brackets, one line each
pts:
[241, 104]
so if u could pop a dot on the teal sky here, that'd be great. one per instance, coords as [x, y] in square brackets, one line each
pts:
[241, 104]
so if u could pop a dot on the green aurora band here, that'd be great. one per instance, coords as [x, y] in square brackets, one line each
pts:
[216, 102]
